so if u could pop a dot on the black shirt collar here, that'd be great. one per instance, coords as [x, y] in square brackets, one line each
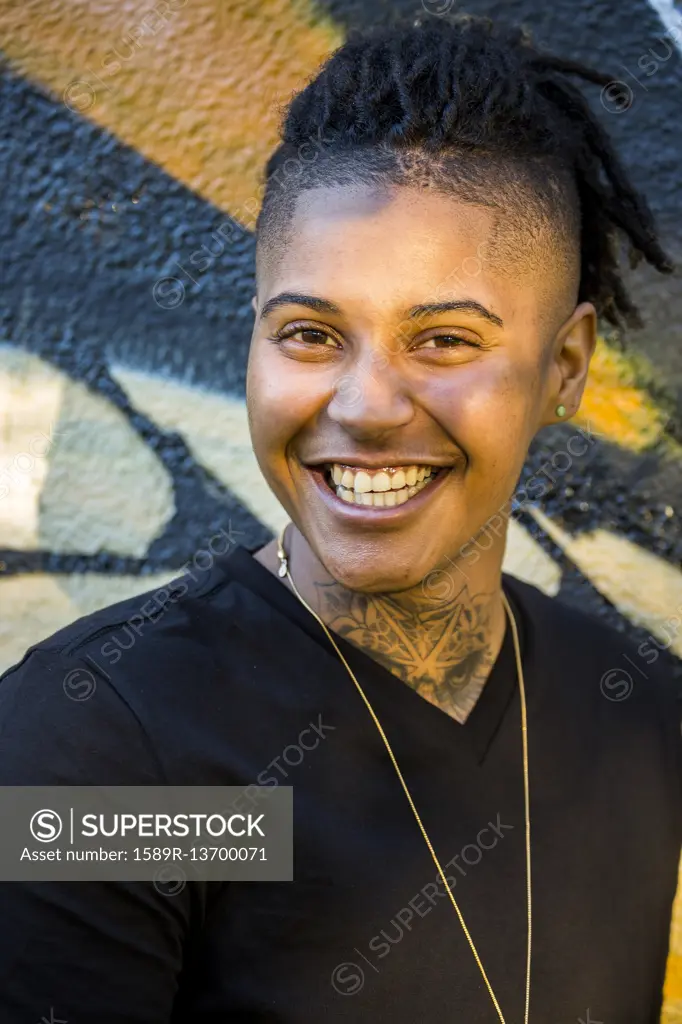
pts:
[487, 715]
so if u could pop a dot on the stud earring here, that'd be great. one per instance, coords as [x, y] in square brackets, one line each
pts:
[560, 410]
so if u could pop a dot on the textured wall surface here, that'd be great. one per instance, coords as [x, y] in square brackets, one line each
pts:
[133, 137]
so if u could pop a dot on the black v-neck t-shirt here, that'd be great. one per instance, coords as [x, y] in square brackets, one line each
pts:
[230, 681]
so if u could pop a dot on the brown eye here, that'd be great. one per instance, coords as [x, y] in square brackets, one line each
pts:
[445, 341]
[311, 337]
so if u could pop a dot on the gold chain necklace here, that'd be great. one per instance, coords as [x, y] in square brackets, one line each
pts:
[284, 571]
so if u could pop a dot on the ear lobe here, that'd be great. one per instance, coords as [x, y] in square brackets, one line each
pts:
[573, 349]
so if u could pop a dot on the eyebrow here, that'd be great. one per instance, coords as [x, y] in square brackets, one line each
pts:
[415, 313]
[297, 299]
[466, 305]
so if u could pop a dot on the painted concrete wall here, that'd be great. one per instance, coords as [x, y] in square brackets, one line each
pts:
[133, 138]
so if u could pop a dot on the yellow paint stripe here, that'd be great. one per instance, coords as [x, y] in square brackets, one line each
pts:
[673, 978]
[672, 988]
[194, 85]
[615, 406]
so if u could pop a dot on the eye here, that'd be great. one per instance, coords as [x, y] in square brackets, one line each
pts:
[306, 335]
[447, 341]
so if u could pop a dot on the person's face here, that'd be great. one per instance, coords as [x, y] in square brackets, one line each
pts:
[346, 372]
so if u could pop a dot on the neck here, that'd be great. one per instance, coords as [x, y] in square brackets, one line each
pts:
[443, 645]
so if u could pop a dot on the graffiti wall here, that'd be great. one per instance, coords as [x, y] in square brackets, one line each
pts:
[133, 139]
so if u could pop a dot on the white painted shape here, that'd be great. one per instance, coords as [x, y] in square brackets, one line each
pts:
[77, 477]
[33, 607]
[215, 427]
[31, 397]
[671, 18]
[642, 586]
[91, 591]
[525, 559]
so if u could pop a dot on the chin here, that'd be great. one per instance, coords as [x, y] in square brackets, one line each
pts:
[373, 573]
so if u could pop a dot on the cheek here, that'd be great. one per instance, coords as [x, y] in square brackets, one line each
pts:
[281, 400]
[488, 409]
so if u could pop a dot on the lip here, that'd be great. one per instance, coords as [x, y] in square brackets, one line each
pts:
[319, 464]
[368, 514]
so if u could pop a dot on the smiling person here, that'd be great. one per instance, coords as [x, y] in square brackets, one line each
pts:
[482, 831]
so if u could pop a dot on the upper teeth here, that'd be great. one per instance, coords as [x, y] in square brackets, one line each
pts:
[393, 478]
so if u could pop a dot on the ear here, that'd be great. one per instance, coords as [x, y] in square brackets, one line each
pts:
[572, 350]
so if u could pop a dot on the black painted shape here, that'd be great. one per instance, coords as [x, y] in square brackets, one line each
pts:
[636, 495]
[578, 592]
[573, 582]
[17, 562]
[611, 36]
[88, 227]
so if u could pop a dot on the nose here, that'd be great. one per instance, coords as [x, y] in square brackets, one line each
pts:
[371, 397]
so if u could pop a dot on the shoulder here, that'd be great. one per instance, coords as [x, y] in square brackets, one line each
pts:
[587, 656]
[139, 627]
[617, 688]
[94, 695]
[566, 621]
[166, 605]
[575, 638]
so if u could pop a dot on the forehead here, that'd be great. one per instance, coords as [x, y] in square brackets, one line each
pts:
[389, 248]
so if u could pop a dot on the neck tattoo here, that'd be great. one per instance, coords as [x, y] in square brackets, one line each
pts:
[443, 651]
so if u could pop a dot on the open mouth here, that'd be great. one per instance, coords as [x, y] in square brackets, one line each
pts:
[386, 487]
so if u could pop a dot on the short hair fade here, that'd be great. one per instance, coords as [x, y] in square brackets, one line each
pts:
[472, 107]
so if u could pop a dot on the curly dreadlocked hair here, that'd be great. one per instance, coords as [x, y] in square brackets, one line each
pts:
[475, 109]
